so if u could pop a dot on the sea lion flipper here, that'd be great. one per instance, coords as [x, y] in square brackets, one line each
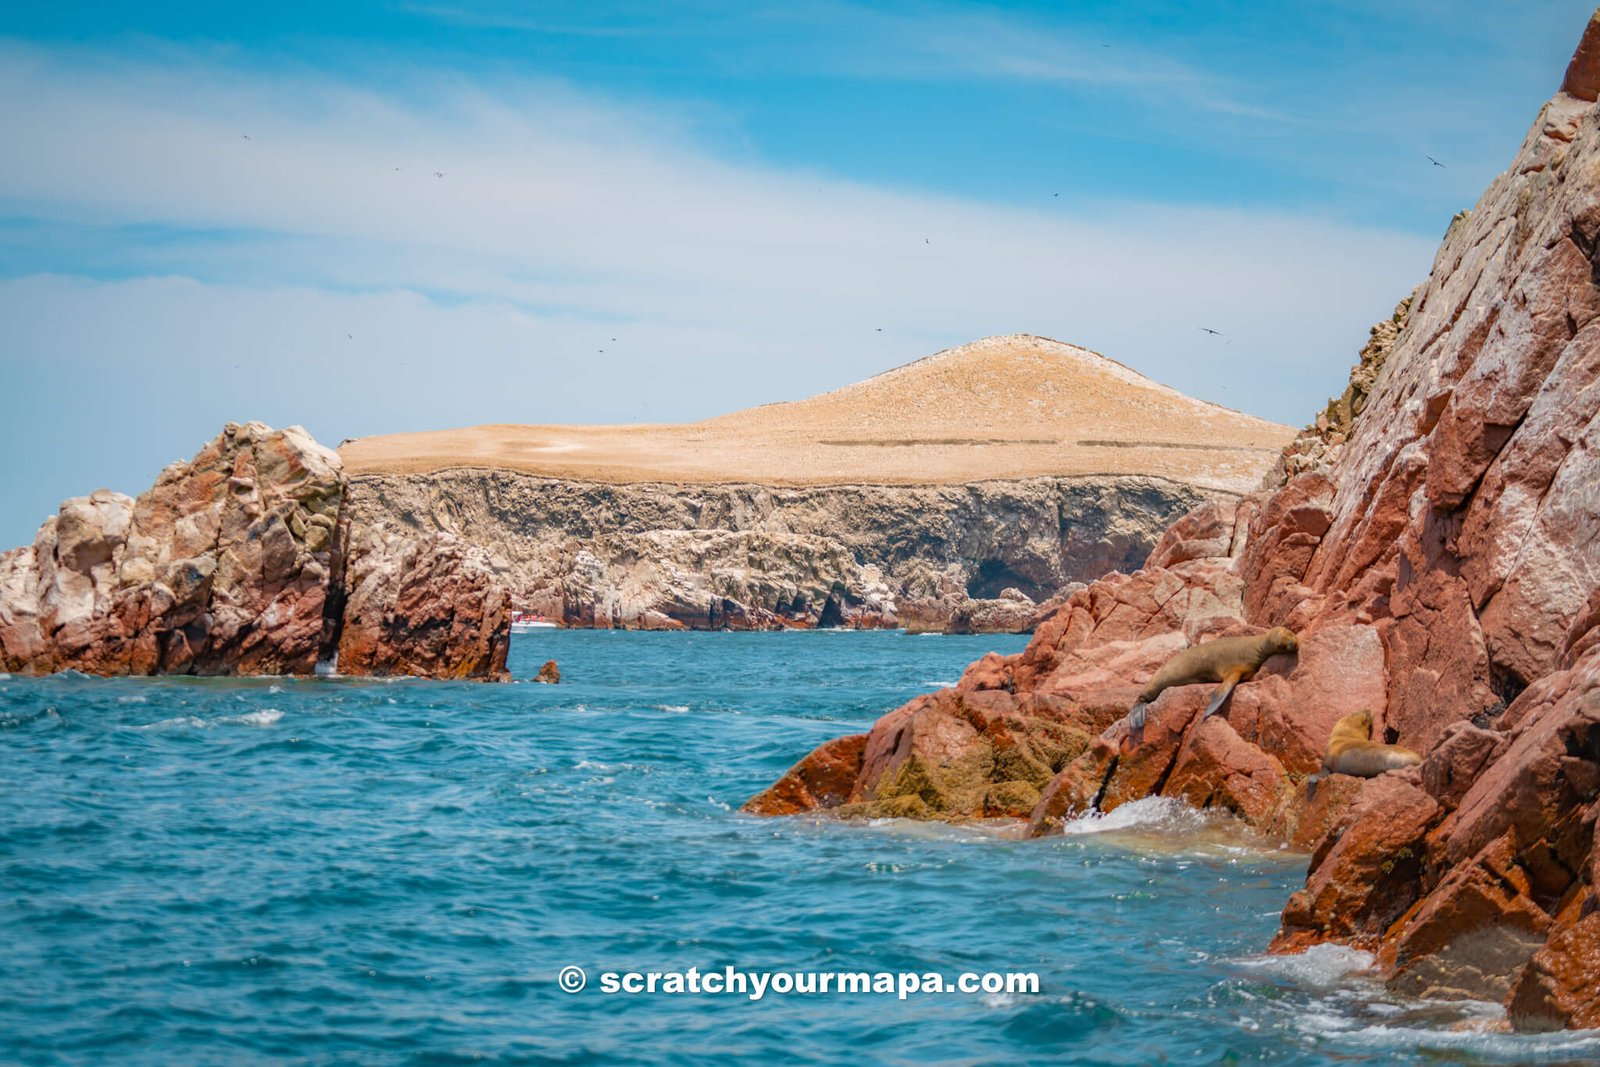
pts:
[1311, 787]
[1220, 697]
[1136, 725]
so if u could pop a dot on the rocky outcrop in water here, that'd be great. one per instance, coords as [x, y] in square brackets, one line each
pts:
[753, 557]
[241, 562]
[1440, 565]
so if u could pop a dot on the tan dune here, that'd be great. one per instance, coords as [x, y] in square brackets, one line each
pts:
[1007, 407]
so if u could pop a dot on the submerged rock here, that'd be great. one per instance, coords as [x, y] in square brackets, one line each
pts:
[1435, 550]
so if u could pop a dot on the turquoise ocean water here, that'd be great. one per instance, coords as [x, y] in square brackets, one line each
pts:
[220, 871]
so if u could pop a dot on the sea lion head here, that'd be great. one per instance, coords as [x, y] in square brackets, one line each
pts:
[1352, 731]
[1281, 639]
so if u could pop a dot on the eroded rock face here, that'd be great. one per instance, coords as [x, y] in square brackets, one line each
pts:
[754, 557]
[221, 567]
[433, 607]
[231, 564]
[1436, 551]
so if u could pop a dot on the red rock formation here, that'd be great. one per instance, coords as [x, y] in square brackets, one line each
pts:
[1437, 553]
[225, 566]
[432, 607]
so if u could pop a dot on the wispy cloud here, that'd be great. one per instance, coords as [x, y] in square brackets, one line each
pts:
[934, 42]
[501, 18]
[229, 271]
[961, 41]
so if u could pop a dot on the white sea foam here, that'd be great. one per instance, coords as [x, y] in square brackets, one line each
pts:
[938, 684]
[264, 717]
[1146, 813]
[192, 722]
[933, 830]
[1477, 1036]
[609, 768]
[1351, 1009]
[1320, 966]
[671, 707]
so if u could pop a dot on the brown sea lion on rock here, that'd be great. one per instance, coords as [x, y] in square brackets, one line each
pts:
[1352, 751]
[1228, 660]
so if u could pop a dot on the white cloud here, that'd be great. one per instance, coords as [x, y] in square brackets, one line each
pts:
[563, 221]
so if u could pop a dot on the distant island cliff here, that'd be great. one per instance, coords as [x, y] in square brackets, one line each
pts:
[962, 491]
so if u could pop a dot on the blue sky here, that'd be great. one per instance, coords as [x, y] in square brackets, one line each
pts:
[217, 211]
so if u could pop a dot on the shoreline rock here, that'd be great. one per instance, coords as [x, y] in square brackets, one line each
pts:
[242, 561]
[1434, 546]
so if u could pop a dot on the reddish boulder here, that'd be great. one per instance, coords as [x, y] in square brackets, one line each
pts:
[1364, 873]
[1557, 989]
[433, 608]
[823, 779]
[222, 567]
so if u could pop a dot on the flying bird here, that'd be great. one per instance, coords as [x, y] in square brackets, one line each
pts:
[246, 136]
[438, 174]
[1435, 162]
[1214, 333]
[880, 329]
[349, 338]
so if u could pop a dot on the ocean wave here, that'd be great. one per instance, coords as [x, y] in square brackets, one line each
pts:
[264, 717]
[1479, 1034]
[190, 721]
[1320, 966]
[1164, 814]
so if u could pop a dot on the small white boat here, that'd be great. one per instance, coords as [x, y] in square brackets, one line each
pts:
[525, 622]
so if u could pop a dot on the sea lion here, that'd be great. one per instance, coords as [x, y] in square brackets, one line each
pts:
[1352, 751]
[1229, 660]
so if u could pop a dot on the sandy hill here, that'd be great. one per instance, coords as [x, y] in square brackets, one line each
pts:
[1004, 407]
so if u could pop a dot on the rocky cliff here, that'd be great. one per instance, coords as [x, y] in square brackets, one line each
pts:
[244, 561]
[661, 556]
[1012, 463]
[1436, 550]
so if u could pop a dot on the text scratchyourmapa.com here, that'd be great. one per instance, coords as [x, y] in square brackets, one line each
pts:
[732, 981]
